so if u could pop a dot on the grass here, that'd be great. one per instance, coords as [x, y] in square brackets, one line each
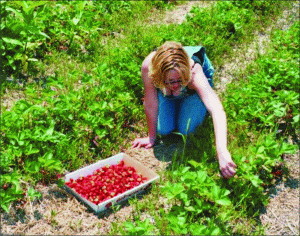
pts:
[134, 43]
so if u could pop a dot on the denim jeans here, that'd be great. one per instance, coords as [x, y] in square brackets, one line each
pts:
[184, 113]
[181, 114]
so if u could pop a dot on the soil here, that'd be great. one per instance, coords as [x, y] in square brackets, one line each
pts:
[60, 213]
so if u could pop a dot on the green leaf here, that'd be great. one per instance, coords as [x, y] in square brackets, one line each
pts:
[60, 183]
[101, 132]
[287, 148]
[197, 229]
[214, 231]
[296, 119]
[189, 177]
[50, 131]
[32, 59]
[48, 156]
[33, 194]
[18, 152]
[177, 189]
[14, 11]
[260, 149]
[201, 176]
[31, 151]
[18, 56]
[12, 41]
[194, 163]
[33, 45]
[5, 206]
[78, 38]
[75, 20]
[185, 169]
[172, 190]
[215, 190]
[223, 201]
[45, 35]
[184, 197]
[199, 202]
[255, 180]
[32, 167]
[190, 208]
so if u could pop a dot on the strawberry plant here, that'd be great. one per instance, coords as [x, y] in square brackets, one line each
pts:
[264, 105]
[107, 182]
[256, 171]
[139, 227]
[10, 189]
[198, 197]
[20, 33]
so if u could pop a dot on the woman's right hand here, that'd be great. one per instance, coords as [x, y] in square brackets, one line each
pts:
[143, 142]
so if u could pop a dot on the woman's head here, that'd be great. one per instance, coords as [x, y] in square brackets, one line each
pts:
[170, 59]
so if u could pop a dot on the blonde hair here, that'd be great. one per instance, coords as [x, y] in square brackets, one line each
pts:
[170, 55]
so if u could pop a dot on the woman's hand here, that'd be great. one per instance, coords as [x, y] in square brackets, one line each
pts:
[143, 142]
[227, 166]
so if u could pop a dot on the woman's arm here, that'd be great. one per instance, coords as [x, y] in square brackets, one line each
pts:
[213, 104]
[151, 107]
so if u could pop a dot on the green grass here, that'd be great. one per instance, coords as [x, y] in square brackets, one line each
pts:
[99, 92]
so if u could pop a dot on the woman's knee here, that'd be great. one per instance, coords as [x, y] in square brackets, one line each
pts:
[190, 125]
[164, 132]
[191, 115]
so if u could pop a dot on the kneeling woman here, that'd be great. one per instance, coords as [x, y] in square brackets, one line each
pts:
[178, 93]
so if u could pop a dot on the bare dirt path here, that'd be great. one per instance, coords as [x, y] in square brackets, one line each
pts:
[59, 213]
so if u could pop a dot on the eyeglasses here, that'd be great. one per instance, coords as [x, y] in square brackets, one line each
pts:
[173, 82]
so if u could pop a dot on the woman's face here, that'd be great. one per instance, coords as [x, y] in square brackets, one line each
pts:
[173, 80]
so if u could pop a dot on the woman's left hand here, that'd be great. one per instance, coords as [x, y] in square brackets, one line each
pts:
[146, 142]
[227, 166]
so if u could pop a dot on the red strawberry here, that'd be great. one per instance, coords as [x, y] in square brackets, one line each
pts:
[121, 163]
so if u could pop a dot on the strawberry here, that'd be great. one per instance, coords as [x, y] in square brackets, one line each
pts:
[121, 163]
[144, 178]
[110, 175]
[5, 186]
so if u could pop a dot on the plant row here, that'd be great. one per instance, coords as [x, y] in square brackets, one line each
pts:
[31, 30]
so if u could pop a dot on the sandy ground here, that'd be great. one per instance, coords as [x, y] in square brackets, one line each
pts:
[59, 213]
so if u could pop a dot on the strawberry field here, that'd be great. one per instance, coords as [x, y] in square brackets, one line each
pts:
[71, 95]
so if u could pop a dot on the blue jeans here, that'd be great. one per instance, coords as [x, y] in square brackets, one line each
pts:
[184, 114]
[181, 114]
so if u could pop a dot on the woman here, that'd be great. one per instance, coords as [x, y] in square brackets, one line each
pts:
[178, 92]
